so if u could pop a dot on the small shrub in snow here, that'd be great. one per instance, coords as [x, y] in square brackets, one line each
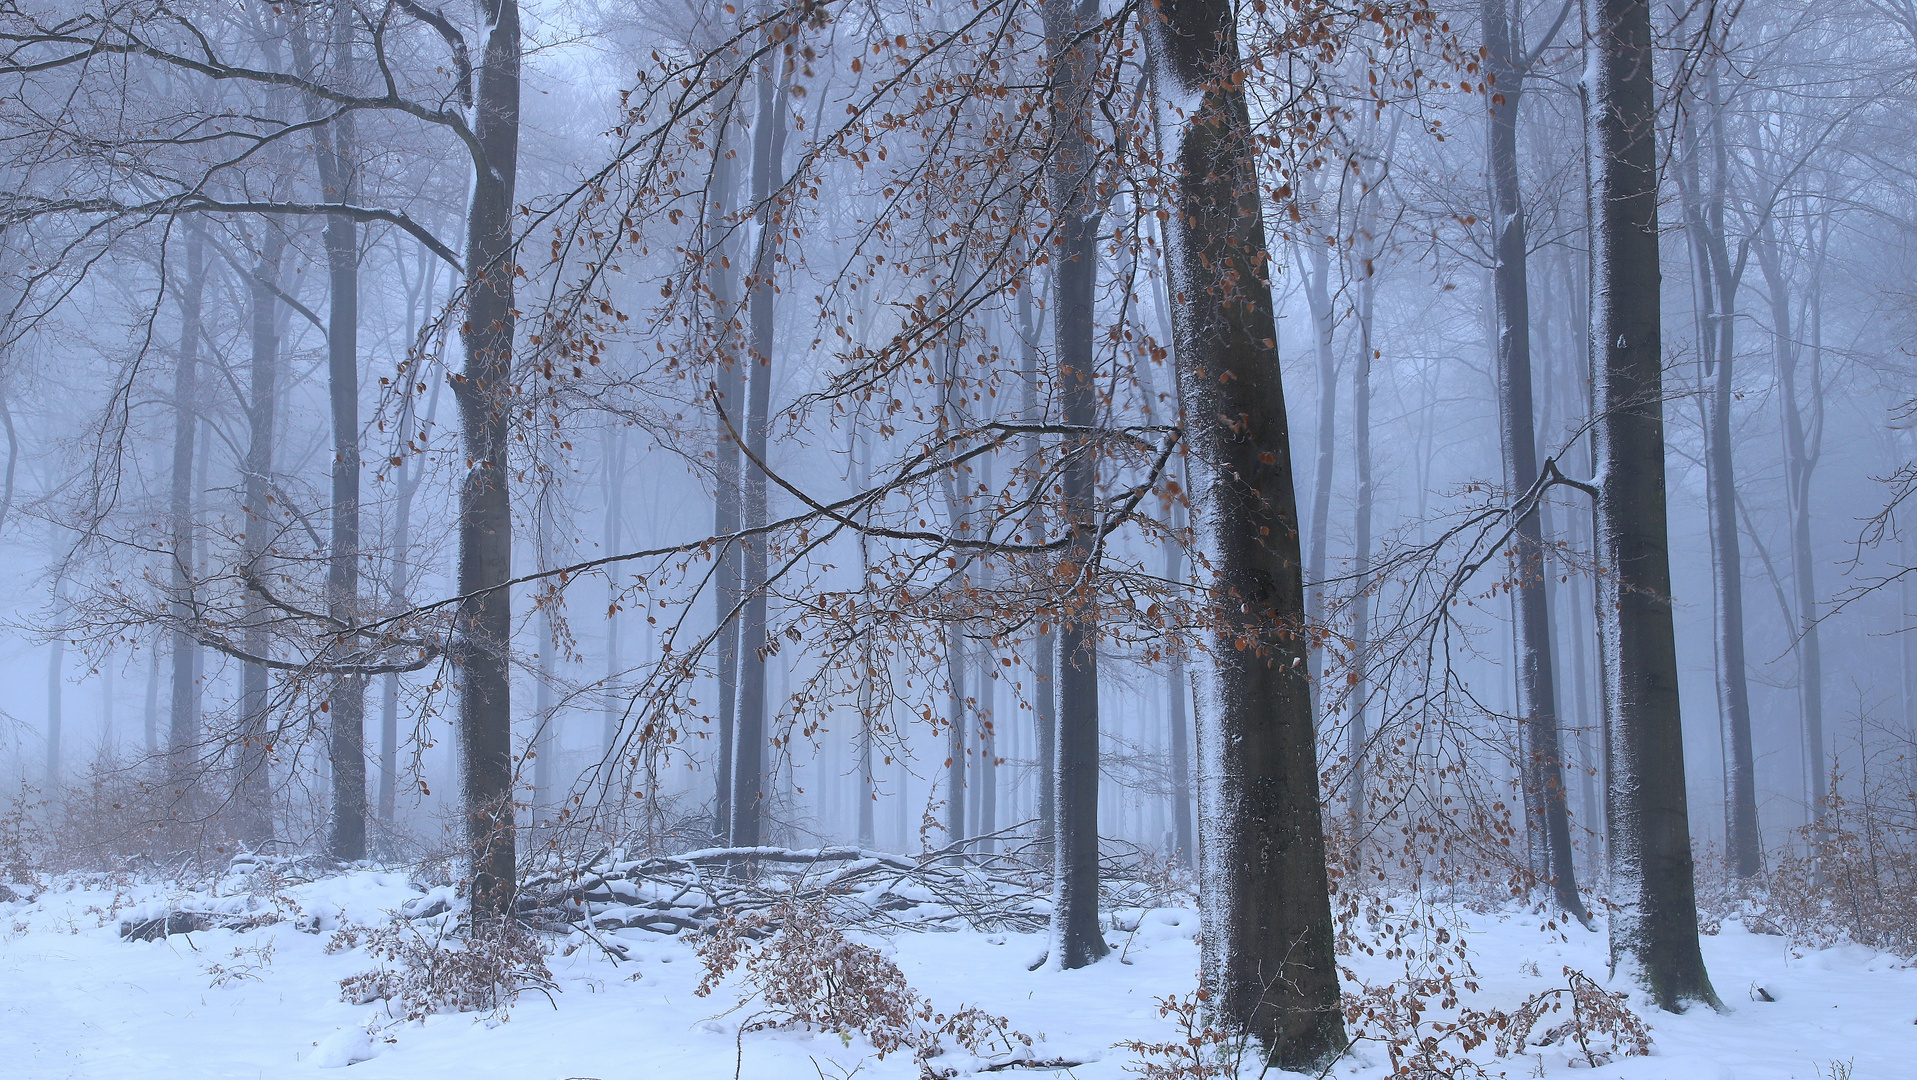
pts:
[1600, 1022]
[803, 972]
[1203, 1050]
[1856, 880]
[425, 968]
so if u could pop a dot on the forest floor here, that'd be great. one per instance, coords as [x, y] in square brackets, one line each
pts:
[78, 1001]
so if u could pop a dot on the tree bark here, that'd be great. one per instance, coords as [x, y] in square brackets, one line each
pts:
[335, 150]
[183, 719]
[748, 784]
[483, 621]
[1268, 935]
[1654, 921]
[1530, 608]
[1318, 298]
[1717, 289]
[1177, 680]
[253, 794]
[729, 392]
[1045, 644]
[1800, 461]
[1076, 937]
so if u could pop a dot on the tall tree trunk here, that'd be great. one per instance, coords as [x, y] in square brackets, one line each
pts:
[729, 392]
[1268, 935]
[1318, 298]
[1718, 281]
[152, 711]
[956, 747]
[1800, 460]
[1358, 680]
[1537, 681]
[1071, 48]
[1654, 920]
[1177, 681]
[985, 700]
[543, 750]
[336, 152]
[253, 795]
[483, 621]
[614, 451]
[183, 718]
[861, 455]
[1045, 644]
[56, 683]
[748, 783]
[399, 581]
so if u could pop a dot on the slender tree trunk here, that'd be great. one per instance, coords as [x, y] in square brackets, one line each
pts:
[1318, 298]
[1070, 47]
[868, 791]
[1044, 645]
[56, 683]
[1654, 920]
[483, 622]
[1800, 461]
[544, 737]
[152, 712]
[955, 728]
[183, 718]
[985, 700]
[729, 392]
[252, 798]
[614, 450]
[1268, 957]
[1537, 681]
[1717, 295]
[1357, 734]
[748, 784]
[1177, 681]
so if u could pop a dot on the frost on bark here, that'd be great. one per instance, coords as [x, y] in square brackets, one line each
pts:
[1654, 920]
[1268, 936]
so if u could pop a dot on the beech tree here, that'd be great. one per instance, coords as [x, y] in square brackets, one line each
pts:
[1654, 917]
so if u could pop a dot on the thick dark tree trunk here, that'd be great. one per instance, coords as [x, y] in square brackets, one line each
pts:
[748, 783]
[1268, 935]
[1071, 49]
[183, 722]
[1530, 608]
[335, 150]
[1654, 920]
[483, 622]
[253, 794]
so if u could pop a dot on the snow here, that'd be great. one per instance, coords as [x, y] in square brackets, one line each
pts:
[78, 1001]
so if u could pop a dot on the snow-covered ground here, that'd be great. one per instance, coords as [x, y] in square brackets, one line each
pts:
[77, 1001]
